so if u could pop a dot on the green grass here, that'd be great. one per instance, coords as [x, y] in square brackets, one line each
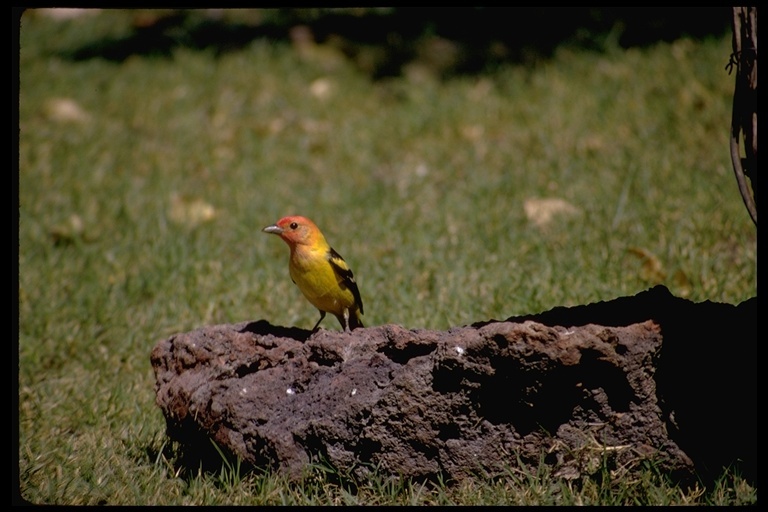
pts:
[144, 184]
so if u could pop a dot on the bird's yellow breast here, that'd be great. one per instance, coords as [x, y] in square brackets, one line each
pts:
[316, 279]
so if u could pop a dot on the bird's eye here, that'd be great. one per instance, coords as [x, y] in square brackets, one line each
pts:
[294, 225]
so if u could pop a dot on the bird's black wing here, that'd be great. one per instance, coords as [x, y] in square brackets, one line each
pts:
[342, 270]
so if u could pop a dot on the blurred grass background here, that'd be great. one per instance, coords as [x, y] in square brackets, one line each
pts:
[462, 175]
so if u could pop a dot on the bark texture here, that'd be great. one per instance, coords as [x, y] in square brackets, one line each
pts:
[744, 119]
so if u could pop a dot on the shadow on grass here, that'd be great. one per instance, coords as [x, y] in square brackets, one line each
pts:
[205, 459]
[451, 41]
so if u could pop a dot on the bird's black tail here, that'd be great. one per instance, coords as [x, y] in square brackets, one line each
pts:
[355, 321]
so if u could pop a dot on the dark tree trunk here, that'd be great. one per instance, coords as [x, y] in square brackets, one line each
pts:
[744, 120]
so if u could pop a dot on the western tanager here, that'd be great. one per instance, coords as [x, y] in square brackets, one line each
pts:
[321, 273]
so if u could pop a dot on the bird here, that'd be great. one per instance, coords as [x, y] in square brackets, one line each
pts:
[320, 272]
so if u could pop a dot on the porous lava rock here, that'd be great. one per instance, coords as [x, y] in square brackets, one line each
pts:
[612, 384]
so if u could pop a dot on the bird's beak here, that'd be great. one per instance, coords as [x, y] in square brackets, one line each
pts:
[274, 229]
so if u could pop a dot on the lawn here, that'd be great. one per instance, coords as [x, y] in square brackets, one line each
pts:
[145, 180]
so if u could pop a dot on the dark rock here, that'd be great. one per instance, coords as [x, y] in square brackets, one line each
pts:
[608, 384]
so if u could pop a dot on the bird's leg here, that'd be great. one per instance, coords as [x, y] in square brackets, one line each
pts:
[322, 315]
[346, 320]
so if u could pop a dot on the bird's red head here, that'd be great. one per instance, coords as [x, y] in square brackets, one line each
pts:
[296, 230]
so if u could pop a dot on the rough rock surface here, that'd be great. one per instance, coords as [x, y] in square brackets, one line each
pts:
[649, 376]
